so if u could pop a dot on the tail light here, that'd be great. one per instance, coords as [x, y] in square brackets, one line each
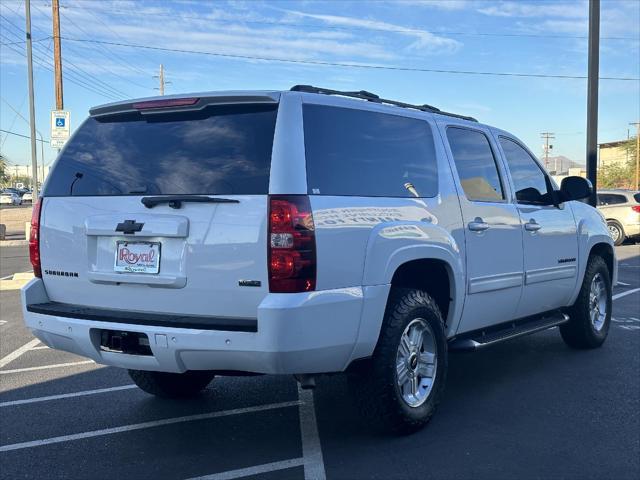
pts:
[636, 208]
[34, 239]
[292, 244]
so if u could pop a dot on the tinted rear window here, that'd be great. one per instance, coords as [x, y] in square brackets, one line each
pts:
[611, 199]
[219, 150]
[364, 153]
[636, 197]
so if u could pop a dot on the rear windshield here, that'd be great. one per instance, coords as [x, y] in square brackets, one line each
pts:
[219, 150]
[364, 153]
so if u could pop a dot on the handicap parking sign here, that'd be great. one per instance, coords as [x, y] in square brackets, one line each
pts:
[60, 130]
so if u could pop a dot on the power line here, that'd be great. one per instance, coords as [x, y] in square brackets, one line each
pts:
[67, 61]
[123, 60]
[67, 75]
[95, 82]
[23, 136]
[102, 52]
[348, 65]
[24, 41]
[70, 74]
[389, 29]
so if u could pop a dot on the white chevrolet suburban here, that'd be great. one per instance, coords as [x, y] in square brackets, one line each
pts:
[305, 232]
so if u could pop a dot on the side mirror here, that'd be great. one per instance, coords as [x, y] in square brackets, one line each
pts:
[575, 188]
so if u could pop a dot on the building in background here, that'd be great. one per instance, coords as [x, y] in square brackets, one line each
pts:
[613, 153]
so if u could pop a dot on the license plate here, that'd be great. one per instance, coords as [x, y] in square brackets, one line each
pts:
[137, 257]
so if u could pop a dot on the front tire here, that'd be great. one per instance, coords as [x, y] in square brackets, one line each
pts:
[399, 389]
[172, 385]
[590, 315]
[616, 232]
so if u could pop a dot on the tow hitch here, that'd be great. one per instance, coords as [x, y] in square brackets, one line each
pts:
[131, 343]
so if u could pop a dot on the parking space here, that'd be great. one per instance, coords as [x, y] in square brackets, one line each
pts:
[528, 408]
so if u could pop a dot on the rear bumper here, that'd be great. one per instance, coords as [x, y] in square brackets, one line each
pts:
[631, 229]
[311, 332]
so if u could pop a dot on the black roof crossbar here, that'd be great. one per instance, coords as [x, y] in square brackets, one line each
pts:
[372, 97]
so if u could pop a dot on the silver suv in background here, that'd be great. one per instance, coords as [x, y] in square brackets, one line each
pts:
[621, 208]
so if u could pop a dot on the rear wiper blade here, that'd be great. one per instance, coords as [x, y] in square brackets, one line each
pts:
[175, 201]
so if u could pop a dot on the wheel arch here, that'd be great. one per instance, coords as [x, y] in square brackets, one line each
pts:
[605, 251]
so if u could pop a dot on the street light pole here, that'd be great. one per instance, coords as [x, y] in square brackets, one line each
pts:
[32, 108]
[592, 97]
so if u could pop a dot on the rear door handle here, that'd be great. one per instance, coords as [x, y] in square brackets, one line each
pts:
[532, 226]
[478, 225]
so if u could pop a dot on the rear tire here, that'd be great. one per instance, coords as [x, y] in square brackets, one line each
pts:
[172, 385]
[616, 232]
[588, 325]
[412, 342]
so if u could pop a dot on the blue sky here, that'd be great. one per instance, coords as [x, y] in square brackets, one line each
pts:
[530, 37]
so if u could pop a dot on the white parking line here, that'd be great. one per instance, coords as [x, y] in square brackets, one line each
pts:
[2, 322]
[45, 367]
[16, 353]
[66, 395]
[140, 426]
[624, 294]
[40, 347]
[311, 447]
[258, 469]
[623, 284]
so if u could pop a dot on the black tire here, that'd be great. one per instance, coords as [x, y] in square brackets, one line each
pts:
[374, 385]
[172, 385]
[579, 332]
[619, 236]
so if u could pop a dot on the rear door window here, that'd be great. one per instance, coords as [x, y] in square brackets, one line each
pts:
[219, 150]
[476, 164]
[364, 153]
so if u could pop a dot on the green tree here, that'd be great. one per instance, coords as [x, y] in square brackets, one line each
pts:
[4, 177]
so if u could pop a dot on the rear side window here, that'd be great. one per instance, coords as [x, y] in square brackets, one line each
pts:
[636, 197]
[611, 199]
[369, 154]
[476, 164]
[219, 150]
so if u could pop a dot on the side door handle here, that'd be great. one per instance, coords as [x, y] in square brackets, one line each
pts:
[532, 226]
[478, 225]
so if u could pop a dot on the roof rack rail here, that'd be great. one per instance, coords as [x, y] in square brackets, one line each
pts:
[372, 97]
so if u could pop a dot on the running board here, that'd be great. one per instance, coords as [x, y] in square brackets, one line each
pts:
[488, 336]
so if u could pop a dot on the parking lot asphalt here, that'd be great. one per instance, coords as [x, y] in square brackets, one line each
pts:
[528, 408]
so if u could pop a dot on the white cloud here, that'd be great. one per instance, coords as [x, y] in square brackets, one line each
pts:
[576, 9]
[438, 4]
[424, 42]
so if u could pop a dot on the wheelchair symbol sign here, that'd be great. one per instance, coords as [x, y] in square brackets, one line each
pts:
[60, 123]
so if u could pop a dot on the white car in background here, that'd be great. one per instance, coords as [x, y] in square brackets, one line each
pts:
[10, 199]
[27, 197]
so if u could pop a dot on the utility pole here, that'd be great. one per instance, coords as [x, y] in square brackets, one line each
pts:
[592, 97]
[637, 183]
[57, 54]
[160, 77]
[32, 108]
[546, 147]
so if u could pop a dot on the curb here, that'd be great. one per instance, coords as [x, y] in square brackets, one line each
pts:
[18, 281]
[13, 243]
